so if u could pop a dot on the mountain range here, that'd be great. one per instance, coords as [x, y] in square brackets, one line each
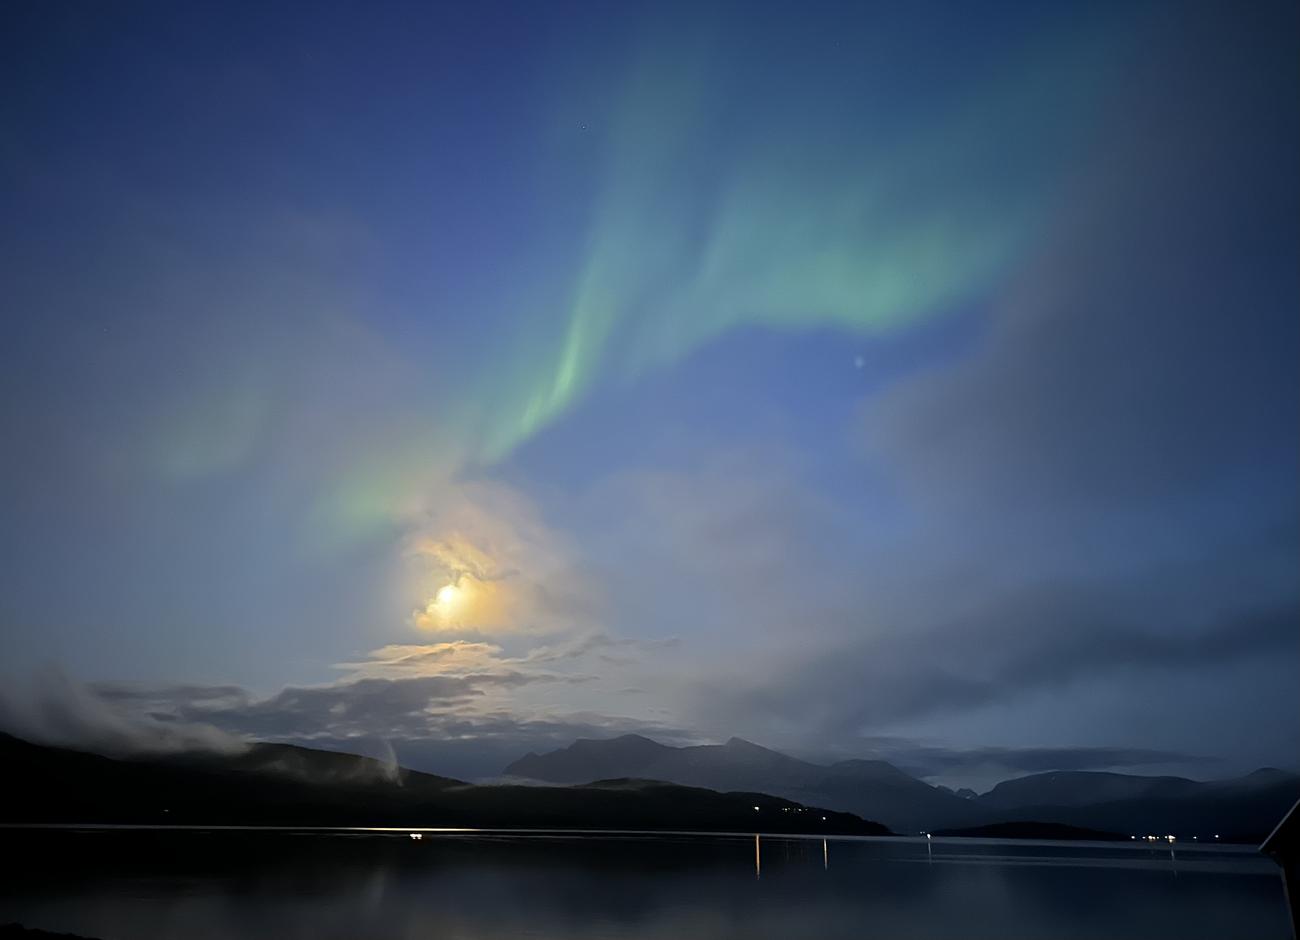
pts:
[288, 786]
[1244, 808]
[629, 782]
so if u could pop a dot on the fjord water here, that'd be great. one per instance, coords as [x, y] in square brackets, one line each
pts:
[385, 886]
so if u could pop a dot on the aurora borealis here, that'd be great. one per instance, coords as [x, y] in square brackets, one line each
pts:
[703, 217]
[858, 378]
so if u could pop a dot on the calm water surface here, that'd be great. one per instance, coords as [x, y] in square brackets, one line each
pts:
[249, 885]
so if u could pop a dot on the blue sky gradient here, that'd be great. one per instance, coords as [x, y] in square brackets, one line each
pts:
[860, 379]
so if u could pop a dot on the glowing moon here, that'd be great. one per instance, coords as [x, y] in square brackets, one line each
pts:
[447, 596]
[467, 604]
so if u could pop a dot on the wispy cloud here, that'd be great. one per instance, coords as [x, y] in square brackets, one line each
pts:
[53, 708]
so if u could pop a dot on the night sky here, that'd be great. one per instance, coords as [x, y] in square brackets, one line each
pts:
[905, 380]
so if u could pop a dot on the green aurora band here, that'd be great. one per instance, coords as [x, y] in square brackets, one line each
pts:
[793, 216]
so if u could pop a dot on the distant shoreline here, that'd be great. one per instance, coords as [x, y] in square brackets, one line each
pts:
[976, 834]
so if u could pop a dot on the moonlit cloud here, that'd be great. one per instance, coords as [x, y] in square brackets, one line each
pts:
[488, 563]
[53, 708]
[457, 656]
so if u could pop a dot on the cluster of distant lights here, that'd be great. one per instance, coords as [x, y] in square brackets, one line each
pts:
[789, 809]
[416, 836]
[1167, 838]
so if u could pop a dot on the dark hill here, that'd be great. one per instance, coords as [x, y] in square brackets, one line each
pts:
[1238, 809]
[1082, 788]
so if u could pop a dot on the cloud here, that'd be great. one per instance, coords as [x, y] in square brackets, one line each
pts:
[414, 706]
[1139, 365]
[731, 544]
[360, 708]
[149, 697]
[1000, 654]
[805, 626]
[55, 709]
[452, 725]
[1101, 487]
[468, 725]
[929, 760]
[465, 657]
[482, 746]
[614, 651]
[482, 560]
[414, 659]
[469, 705]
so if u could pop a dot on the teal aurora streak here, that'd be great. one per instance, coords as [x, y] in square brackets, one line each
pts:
[722, 200]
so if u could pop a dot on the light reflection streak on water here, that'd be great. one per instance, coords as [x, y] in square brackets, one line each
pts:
[1212, 857]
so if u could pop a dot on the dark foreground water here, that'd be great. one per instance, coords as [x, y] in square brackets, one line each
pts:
[249, 885]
